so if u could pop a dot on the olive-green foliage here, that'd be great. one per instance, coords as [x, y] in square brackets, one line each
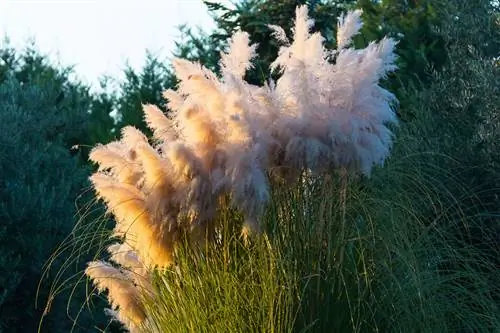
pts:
[43, 115]
[422, 29]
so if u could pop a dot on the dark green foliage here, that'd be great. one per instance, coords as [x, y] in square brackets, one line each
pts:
[413, 23]
[425, 38]
[458, 113]
[102, 125]
[43, 115]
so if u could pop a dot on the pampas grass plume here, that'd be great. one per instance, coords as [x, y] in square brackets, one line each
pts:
[123, 296]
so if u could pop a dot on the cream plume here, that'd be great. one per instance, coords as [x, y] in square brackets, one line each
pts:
[128, 205]
[163, 128]
[348, 26]
[123, 296]
[237, 60]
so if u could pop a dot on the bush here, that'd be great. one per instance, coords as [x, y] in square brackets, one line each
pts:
[43, 115]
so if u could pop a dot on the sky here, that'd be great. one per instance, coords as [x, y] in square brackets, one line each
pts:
[99, 36]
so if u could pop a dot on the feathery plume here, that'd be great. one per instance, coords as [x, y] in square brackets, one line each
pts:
[237, 60]
[122, 294]
[162, 127]
[132, 137]
[348, 26]
[278, 33]
[128, 205]
[174, 100]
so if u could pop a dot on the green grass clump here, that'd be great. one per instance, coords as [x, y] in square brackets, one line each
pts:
[391, 254]
[228, 288]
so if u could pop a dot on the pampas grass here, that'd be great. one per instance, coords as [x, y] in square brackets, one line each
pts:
[403, 250]
[226, 138]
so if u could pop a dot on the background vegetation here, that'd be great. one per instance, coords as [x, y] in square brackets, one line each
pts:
[416, 248]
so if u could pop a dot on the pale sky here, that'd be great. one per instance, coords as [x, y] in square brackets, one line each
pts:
[98, 36]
